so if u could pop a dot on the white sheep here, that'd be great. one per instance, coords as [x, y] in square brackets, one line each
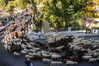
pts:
[16, 53]
[53, 53]
[86, 57]
[6, 47]
[56, 56]
[92, 59]
[3, 40]
[31, 50]
[24, 51]
[17, 39]
[34, 48]
[23, 46]
[98, 58]
[55, 63]
[27, 56]
[96, 54]
[18, 43]
[36, 54]
[24, 40]
[9, 48]
[44, 52]
[97, 50]
[31, 54]
[71, 63]
[83, 49]
[45, 55]
[46, 60]
[60, 47]
[32, 43]
[29, 46]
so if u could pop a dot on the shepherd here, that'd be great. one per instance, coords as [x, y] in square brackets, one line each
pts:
[28, 62]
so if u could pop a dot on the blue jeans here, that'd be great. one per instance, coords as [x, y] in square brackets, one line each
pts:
[39, 36]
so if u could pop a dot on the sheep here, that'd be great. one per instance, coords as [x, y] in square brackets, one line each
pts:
[29, 46]
[59, 48]
[18, 43]
[71, 63]
[9, 48]
[98, 58]
[36, 54]
[24, 51]
[24, 40]
[32, 43]
[86, 57]
[34, 48]
[96, 54]
[56, 56]
[97, 50]
[16, 54]
[31, 54]
[97, 41]
[27, 56]
[55, 63]
[23, 46]
[83, 49]
[92, 59]
[6, 46]
[45, 55]
[17, 39]
[3, 40]
[31, 50]
[44, 52]
[46, 60]
[53, 53]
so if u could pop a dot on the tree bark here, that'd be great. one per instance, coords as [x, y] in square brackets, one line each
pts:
[66, 27]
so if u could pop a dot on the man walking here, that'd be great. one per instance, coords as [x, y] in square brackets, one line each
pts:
[28, 62]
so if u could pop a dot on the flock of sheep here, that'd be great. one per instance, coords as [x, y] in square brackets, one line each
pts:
[59, 49]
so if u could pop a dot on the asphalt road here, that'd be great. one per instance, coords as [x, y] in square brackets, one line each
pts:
[7, 59]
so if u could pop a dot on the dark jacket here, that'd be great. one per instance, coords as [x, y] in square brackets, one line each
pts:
[27, 62]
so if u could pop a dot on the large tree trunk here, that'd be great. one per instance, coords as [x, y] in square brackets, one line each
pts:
[66, 26]
[57, 20]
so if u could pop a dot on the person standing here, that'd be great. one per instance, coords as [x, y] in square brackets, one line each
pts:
[28, 62]
[43, 31]
[3, 23]
[86, 30]
[39, 35]
[56, 31]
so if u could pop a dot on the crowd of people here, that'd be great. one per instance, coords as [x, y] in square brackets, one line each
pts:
[7, 19]
[90, 30]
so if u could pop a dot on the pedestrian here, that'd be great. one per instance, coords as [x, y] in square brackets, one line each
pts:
[39, 35]
[43, 32]
[28, 62]
[56, 31]
[3, 23]
[86, 30]
[94, 30]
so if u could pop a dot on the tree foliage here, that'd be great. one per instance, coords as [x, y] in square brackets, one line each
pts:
[30, 4]
[61, 12]
[10, 7]
[2, 5]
